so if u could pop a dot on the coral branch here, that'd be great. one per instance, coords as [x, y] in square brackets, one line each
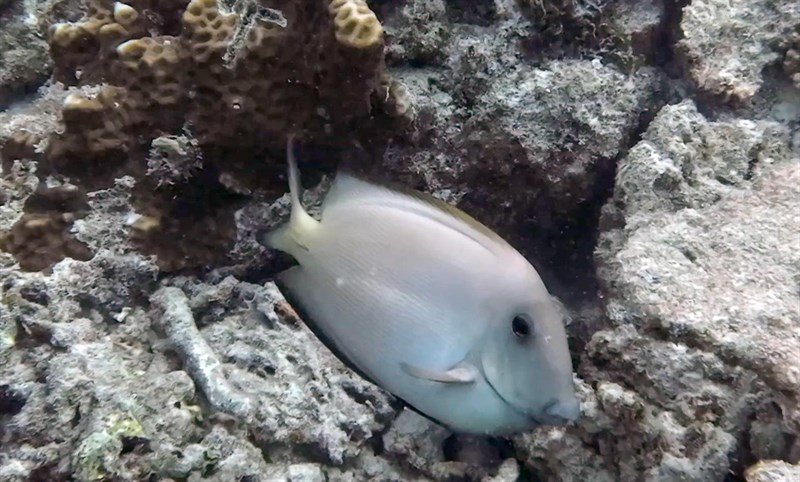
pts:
[201, 361]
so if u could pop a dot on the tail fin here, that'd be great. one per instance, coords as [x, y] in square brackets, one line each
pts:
[292, 235]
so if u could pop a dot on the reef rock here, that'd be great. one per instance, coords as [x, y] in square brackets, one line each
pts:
[773, 471]
[24, 61]
[506, 138]
[141, 335]
[697, 369]
[88, 388]
[726, 44]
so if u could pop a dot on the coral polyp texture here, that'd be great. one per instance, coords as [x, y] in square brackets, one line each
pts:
[355, 23]
[237, 77]
[41, 236]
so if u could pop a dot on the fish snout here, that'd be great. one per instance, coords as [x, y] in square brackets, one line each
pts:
[563, 411]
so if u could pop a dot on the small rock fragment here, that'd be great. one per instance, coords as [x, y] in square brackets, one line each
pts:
[306, 473]
[773, 471]
[201, 361]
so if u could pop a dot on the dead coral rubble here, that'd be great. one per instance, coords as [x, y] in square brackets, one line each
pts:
[179, 325]
[94, 395]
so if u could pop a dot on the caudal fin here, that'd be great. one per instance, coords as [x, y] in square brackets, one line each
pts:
[293, 235]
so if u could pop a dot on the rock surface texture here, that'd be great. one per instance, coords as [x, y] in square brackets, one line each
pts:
[728, 43]
[24, 60]
[644, 155]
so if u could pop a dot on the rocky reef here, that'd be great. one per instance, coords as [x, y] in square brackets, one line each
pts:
[644, 156]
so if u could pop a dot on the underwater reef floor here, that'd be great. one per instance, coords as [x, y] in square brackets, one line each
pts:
[643, 155]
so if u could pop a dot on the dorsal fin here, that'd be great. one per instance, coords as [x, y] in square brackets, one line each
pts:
[292, 237]
[348, 187]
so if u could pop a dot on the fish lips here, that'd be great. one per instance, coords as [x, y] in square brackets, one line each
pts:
[538, 418]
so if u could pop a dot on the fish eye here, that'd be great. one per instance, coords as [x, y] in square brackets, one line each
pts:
[521, 327]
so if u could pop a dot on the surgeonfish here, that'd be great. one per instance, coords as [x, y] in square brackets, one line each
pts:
[427, 303]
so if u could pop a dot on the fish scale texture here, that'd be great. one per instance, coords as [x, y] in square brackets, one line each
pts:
[662, 217]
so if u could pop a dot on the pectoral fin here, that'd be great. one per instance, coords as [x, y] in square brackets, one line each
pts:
[461, 373]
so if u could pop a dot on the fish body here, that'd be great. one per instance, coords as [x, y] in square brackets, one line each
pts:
[430, 305]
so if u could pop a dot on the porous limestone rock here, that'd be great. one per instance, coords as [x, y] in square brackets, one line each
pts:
[696, 369]
[726, 44]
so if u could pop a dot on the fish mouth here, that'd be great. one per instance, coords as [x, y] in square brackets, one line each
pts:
[537, 420]
[542, 417]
